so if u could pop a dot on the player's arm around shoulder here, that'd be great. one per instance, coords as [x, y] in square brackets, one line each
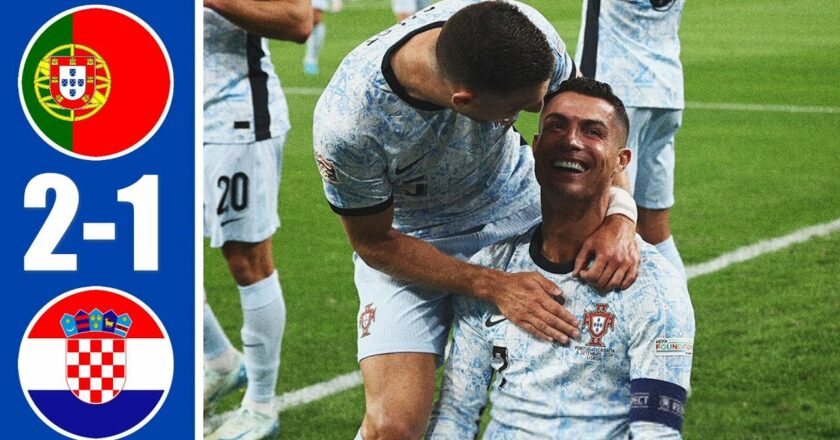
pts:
[289, 20]
[467, 375]
[661, 349]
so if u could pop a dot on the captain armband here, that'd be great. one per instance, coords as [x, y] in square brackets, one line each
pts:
[657, 401]
[621, 202]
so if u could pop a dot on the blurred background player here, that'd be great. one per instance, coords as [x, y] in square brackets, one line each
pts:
[404, 8]
[417, 154]
[633, 46]
[628, 374]
[245, 126]
[319, 33]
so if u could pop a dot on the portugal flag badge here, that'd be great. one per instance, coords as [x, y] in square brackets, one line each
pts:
[95, 82]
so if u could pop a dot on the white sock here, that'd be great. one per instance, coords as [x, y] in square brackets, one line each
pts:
[219, 354]
[264, 318]
[359, 435]
[669, 249]
[315, 43]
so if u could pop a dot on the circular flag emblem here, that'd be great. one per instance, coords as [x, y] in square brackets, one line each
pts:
[95, 363]
[89, 94]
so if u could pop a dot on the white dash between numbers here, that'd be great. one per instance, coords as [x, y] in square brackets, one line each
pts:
[98, 231]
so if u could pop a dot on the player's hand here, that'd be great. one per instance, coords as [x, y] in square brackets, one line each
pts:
[615, 252]
[532, 302]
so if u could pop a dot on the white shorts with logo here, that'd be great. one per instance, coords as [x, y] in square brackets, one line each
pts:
[241, 185]
[408, 6]
[651, 170]
[400, 317]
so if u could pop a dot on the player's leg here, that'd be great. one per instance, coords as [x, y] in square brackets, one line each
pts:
[242, 198]
[654, 181]
[264, 318]
[402, 331]
[316, 38]
[399, 390]
[223, 367]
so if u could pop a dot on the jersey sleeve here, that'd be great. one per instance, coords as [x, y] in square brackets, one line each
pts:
[661, 346]
[468, 372]
[351, 163]
[564, 66]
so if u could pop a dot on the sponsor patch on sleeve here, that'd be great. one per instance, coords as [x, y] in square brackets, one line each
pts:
[674, 346]
[326, 168]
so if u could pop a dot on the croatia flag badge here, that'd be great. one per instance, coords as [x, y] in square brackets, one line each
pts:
[95, 363]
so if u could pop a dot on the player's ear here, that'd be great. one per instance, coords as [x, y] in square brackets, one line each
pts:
[624, 156]
[461, 98]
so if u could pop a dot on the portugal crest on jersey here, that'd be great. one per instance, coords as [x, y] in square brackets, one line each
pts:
[72, 82]
[599, 323]
[366, 319]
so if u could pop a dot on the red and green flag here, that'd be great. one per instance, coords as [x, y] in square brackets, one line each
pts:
[96, 82]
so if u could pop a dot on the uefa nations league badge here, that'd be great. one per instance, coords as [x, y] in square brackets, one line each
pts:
[95, 363]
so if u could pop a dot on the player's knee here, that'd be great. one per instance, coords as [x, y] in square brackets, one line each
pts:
[246, 270]
[388, 425]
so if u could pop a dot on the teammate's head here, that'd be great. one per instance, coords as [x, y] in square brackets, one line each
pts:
[581, 144]
[496, 59]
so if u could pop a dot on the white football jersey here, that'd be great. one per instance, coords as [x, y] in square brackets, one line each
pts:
[443, 172]
[631, 364]
[243, 101]
[634, 46]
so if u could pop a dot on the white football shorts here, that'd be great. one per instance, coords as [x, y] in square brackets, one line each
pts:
[241, 185]
[400, 317]
[651, 170]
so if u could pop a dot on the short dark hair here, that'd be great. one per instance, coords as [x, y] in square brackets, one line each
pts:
[596, 89]
[493, 46]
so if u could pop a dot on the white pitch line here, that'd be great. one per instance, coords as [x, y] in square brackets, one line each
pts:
[318, 391]
[308, 91]
[351, 380]
[762, 247]
[761, 107]
[727, 106]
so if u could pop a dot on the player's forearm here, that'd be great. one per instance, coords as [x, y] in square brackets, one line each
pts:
[289, 20]
[412, 259]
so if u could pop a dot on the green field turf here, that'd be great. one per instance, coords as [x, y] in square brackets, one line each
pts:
[766, 363]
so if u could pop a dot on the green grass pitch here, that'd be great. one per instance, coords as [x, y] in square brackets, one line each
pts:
[767, 362]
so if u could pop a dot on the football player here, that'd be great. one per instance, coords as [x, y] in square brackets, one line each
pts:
[414, 140]
[629, 372]
[319, 33]
[245, 126]
[634, 46]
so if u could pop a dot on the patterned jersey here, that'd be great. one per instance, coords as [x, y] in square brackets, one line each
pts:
[634, 46]
[443, 172]
[634, 351]
[243, 101]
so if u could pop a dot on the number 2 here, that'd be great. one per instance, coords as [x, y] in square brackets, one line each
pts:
[40, 255]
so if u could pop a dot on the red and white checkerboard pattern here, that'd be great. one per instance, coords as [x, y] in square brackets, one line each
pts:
[96, 368]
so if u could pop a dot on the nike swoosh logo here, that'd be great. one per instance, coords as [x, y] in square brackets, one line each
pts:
[227, 222]
[406, 168]
[491, 323]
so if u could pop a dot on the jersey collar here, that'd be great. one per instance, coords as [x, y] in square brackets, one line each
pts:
[391, 77]
[535, 249]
